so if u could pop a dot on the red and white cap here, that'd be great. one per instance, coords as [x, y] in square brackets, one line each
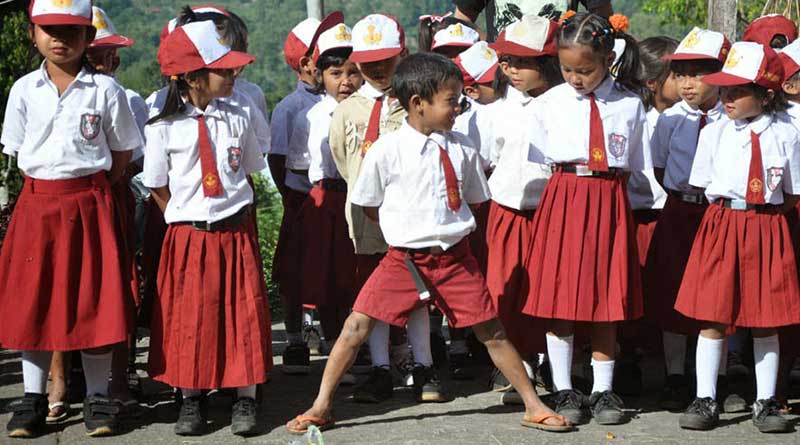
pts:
[763, 29]
[298, 42]
[530, 36]
[749, 62]
[790, 58]
[457, 35]
[478, 64]
[61, 12]
[107, 36]
[701, 44]
[200, 9]
[340, 36]
[198, 45]
[377, 37]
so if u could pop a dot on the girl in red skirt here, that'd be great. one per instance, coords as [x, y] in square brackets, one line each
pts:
[583, 263]
[73, 133]
[210, 326]
[742, 269]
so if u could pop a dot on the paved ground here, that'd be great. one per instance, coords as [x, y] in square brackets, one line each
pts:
[473, 417]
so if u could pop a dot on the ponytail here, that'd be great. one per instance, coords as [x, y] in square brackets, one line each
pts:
[653, 66]
[626, 70]
[173, 104]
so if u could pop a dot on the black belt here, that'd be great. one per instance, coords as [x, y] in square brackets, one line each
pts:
[583, 170]
[740, 204]
[335, 185]
[230, 222]
[692, 198]
[435, 250]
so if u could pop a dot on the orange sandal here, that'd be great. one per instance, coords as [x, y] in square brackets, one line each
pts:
[538, 423]
[319, 422]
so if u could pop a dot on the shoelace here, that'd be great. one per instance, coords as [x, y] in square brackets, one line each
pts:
[246, 407]
[190, 407]
[608, 400]
[702, 406]
[770, 408]
[567, 398]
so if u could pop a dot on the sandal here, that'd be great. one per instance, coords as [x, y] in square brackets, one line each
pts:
[57, 411]
[319, 422]
[538, 423]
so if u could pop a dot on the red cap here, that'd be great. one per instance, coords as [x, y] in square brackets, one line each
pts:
[330, 20]
[299, 40]
[790, 57]
[749, 62]
[61, 12]
[478, 64]
[195, 46]
[377, 37]
[763, 29]
[531, 36]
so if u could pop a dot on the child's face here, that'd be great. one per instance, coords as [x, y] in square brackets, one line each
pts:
[696, 93]
[379, 74]
[439, 114]
[104, 60]
[667, 91]
[342, 81]
[741, 102]
[582, 69]
[481, 93]
[524, 73]
[220, 82]
[62, 44]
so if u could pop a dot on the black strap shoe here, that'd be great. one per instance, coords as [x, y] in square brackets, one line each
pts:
[100, 415]
[607, 408]
[377, 388]
[571, 404]
[767, 417]
[191, 417]
[29, 418]
[702, 414]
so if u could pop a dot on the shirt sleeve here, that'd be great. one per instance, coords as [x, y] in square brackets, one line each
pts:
[122, 133]
[14, 122]
[297, 157]
[475, 186]
[640, 156]
[703, 158]
[156, 160]
[336, 140]
[370, 185]
[279, 139]
[252, 156]
[262, 131]
[791, 176]
[659, 141]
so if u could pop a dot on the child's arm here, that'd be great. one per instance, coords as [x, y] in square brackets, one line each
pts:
[279, 145]
[161, 195]
[120, 161]
[372, 213]
[123, 134]
[659, 146]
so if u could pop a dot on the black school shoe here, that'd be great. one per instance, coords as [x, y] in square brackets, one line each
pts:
[29, 418]
[192, 416]
[572, 405]
[767, 417]
[377, 388]
[607, 408]
[461, 366]
[100, 415]
[702, 414]
[427, 386]
[243, 417]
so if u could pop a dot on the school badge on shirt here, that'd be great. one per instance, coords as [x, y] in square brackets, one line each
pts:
[90, 126]
[616, 144]
[774, 177]
[234, 158]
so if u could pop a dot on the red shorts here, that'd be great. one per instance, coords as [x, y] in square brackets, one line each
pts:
[453, 278]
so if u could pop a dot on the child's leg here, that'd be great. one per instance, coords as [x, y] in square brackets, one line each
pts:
[379, 344]
[604, 341]
[710, 346]
[97, 367]
[559, 350]
[59, 364]
[119, 373]
[331, 324]
[35, 365]
[766, 352]
[293, 319]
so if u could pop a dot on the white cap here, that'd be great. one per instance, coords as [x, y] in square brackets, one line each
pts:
[478, 63]
[530, 36]
[340, 36]
[701, 44]
[455, 35]
[106, 31]
[749, 62]
[377, 37]
[61, 12]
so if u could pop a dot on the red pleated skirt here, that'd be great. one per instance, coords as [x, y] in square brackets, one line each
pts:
[125, 207]
[741, 271]
[211, 325]
[666, 262]
[327, 255]
[61, 282]
[583, 261]
[478, 238]
[286, 259]
[646, 221]
[509, 237]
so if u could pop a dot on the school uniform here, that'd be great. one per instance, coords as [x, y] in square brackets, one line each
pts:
[211, 326]
[791, 348]
[60, 259]
[424, 215]
[740, 271]
[583, 260]
[674, 145]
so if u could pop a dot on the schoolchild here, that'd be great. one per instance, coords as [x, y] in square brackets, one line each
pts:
[773, 30]
[445, 34]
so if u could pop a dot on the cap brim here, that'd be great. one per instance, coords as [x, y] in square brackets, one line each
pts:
[688, 56]
[374, 55]
[317, 56]
[452, 45]
[330, 20]
[488, 76]
[60, 19]
[115, 41]
[506, 48]
[233, 59]
[721, 79]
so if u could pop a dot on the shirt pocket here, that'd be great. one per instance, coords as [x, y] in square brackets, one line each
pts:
[231, 155]
[774, 169]
[89, 131]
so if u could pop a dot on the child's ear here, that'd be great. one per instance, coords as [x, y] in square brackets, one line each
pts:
[472, 92]
[610, 59]
[651, 85]
[415, 103]
[790, 88]
[307, 65]
[504, 65]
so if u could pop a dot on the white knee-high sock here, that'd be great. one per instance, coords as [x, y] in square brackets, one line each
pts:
[418, 329]
[96, 368]
[674, 352]
[246, 391]
[559, 349]
[603, 373]
[379, 345]
[707, 358]
[766, 352]
[35, 367]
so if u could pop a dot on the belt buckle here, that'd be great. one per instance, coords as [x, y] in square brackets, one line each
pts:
[205, 226]
[583, 170]
[738, 204]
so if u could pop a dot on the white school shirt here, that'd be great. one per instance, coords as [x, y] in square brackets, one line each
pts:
[69, 136]
[562, 119]
[282, 126]
[724, 155]
[320, 162]
[644, 191]
[674, 142]
[516, 182]
[792, 114]
[172, 157]
[402, 174]
[140, 114]
[475, 124]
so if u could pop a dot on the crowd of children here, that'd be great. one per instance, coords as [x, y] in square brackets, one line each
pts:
[563, 186]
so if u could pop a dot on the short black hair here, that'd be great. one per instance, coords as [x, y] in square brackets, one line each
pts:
[423, 74]
[335, 57]
[695, 66]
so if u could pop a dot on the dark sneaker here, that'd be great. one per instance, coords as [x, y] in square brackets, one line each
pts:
[296, 360]
[243, 417]
[438, 350]
[498, 382]
[702, 414]
[30, 413]
[628, 378]
[461, 366]
[732, 400]
[191, 417]
[100, 415]
[377, 388]
[402, 365]
[767, 417]
[511, 397]
[675, 394]
[571, 404]
[427, 386]
[607, 408]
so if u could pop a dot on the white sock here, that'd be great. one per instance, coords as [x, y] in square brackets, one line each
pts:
[723, 360]
[246, 391]
[97, 369]
[674, 352]
[458, 347]
[295, 338]
[766, 353]
[559, 350]
[379, 345]
[35, 367]
[707, 358]
[191, 392]
[418, 330]
[308, 317]
[603, 373]
[528, 369]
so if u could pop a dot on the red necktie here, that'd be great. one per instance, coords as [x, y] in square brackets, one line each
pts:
[597, 139]
[702, 125]
[208, 163]
[450, 181]
[755, 179]
[373, 126]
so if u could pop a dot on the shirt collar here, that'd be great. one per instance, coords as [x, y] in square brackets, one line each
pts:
[603, 91]
[211, 110]
[757, 125]
[414, 138]
[515, 95]
[715, 112]
[369, 91]
[83, 76]
[328, 104]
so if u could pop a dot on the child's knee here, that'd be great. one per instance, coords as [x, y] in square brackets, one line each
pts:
[357, 328]
[490, 331]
